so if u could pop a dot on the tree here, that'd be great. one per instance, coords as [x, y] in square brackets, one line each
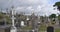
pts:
[58, 7]
[52, 16]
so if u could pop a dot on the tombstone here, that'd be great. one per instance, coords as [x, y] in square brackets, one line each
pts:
[27, 21]
[22, 23]
[50, 29]
[33, 30]
[4, 28]
[7, 29]
[2, 23]
[38, 23]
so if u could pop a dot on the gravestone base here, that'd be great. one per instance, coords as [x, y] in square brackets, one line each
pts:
[13, 29]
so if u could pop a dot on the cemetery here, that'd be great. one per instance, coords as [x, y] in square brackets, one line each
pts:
[30, 24]
[12, 21]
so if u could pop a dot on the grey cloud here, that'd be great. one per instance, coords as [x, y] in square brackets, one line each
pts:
[27, 3]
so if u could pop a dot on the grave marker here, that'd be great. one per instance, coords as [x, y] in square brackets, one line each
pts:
[22, 23]
[50, 29]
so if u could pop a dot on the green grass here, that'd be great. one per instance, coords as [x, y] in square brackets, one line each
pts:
[57, 30]
[27, 28]
[44, 28]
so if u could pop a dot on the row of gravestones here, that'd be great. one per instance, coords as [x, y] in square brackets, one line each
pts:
[3, 23]
[49, 29]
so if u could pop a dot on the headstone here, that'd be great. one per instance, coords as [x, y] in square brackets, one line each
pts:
[50, 29]
[4, 29]
[7, 29]
[22, 23]
[2, 23]
[27, 23]
[33, 30]
[38, 23]
[30, 31]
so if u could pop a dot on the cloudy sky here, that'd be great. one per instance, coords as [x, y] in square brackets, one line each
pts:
[40, 7]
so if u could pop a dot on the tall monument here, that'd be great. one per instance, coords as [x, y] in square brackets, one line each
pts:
[13, 28]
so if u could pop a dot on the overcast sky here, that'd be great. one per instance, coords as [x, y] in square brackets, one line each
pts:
[40, 7]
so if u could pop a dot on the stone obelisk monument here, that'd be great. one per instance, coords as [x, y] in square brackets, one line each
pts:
[13, 28]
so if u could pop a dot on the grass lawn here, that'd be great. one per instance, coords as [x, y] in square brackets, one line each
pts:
[44, 28]
[27, 28]
[57, 30]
